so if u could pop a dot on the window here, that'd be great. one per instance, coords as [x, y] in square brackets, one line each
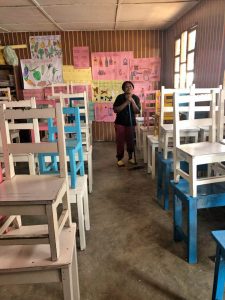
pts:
[184, 59]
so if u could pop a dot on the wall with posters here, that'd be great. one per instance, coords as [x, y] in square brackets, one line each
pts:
[143, 43]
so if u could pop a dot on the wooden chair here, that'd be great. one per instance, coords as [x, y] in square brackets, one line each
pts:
[34, 194]
[80, 100]
[30, 264]
[197, 153]
[15, 129]
[166, 127]
[78, 191]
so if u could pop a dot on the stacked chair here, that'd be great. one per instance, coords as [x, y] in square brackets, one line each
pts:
[148, 113]
[196, 190]
[37, 253]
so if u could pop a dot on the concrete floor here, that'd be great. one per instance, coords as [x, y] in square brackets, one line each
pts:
[130, 251]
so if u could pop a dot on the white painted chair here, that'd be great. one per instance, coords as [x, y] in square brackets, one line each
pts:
[197, 153]
[79, 195]
[166, 130]
[14, 132]
[34, 194]
[30, 264]
[152, 145]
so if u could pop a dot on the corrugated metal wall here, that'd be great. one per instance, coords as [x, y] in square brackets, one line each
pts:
[209, 16]
[144, 43]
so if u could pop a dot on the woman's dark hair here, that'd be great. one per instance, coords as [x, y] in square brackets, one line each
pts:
[125, 82]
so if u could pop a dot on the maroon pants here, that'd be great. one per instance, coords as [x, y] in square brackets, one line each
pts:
[124, 135]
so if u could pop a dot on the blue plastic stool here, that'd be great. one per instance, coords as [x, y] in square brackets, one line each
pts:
[211, 195]
[164, 170]
[73, 147]
[219, 273]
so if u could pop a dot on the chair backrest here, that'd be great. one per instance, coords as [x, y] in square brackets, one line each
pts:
[5, 94]
[190, 105]
[80, 100]
[37, 147]
[25, 104]
[166, 103]
[73, 127]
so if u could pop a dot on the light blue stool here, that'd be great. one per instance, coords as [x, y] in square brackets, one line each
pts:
[210, 195]
[73, 147]
[219, 273]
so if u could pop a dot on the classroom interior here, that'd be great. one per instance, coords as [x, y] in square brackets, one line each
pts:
[74, 225]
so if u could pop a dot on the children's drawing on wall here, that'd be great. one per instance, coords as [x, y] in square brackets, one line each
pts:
[40, 73]
[143, 90]
[111, 65]
[104, 112]
[44, 47]
[106, 91]
[81, 57]
[145, 69]
[76, 75]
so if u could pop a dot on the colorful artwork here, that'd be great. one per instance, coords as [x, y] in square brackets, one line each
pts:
[76, 75]
[111, 65]
[46, 46]
[81, 57]
[143, 90]
[40, 73]
[145, 69]
[104, 112]
[106, 91]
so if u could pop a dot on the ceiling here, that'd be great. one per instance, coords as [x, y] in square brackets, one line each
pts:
[53, 15]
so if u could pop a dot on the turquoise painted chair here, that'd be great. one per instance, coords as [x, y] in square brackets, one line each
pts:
[73, 147]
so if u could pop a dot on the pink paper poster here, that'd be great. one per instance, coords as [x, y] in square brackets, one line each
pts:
[145, 69]
[81, 57]
[143, 90]
[82, 88]
[111, 65]
[104, 112]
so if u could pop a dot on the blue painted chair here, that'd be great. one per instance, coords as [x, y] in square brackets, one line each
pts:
[73, 147]
[219, 273]
[210, 195]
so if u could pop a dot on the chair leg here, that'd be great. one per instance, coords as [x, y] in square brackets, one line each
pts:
[67, 283]
[53, 231]
[80, 211]
[86, 208]
[73, 169]
[192, 230]
[219, 276]
[177, 218]
[90, 172]
[81, 160]
[75, 276]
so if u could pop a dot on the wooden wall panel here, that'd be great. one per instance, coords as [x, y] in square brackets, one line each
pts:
[209, 16]
[144, 43]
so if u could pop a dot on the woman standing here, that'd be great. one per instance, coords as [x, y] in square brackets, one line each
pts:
[125, 106]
